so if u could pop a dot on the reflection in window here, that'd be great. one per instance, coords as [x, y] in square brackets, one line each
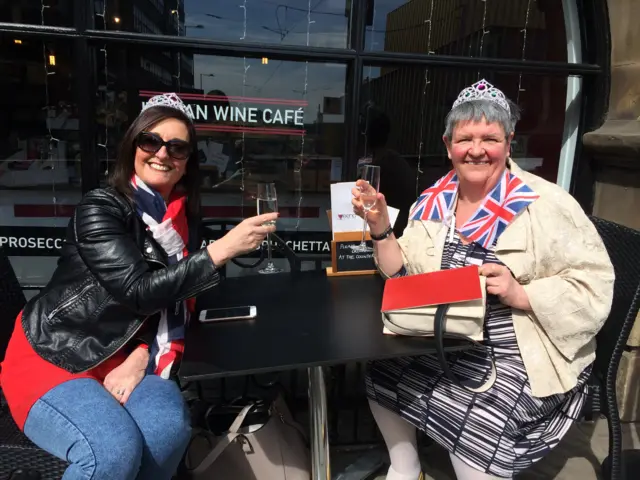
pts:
[55, 13]
[142, 23]
[257, 120]
[288, 22]
[159, 4]
[160, 73]
[417, 115]
[470, 28]
[39, 154]
[39, 116]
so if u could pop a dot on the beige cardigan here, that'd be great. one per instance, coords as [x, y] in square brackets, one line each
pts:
[555, 252]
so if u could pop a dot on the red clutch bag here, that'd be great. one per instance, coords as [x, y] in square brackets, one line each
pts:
[443, 304]
[436, 288]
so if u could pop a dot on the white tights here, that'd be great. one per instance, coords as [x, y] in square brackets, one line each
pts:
[400, 438]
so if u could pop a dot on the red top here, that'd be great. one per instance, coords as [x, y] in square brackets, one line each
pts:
[26, 376]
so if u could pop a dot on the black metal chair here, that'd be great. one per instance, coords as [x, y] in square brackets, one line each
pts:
[17, 452]
[623, 245]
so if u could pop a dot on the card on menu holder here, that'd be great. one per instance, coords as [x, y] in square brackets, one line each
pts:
[435, 288]
[347, 233]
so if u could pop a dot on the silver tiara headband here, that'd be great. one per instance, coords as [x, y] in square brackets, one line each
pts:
[482, 90]
[171, 100]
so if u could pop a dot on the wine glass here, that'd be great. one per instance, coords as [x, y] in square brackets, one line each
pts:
[268, 203]
[363, 162]
[369, 195]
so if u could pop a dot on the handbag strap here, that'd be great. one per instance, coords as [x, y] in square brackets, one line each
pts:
[293, 424]
[222, 444]
[439, 330]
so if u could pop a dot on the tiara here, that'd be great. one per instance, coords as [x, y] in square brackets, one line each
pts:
[171, 100]
[482, 90]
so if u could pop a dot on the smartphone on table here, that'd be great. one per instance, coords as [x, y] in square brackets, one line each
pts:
[228, 313]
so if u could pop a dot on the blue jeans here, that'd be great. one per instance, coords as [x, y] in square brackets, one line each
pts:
[80, 422]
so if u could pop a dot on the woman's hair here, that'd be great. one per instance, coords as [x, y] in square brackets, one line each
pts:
[476, 110]
[121, 176]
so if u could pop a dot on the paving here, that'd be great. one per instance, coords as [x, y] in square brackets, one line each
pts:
[577, 457]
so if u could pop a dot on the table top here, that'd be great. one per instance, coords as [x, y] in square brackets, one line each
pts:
[303, 320]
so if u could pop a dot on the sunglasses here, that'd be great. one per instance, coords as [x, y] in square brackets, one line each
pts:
[152, 142]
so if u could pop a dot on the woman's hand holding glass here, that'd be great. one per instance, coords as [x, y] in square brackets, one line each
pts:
[378, 216]
[245, 237]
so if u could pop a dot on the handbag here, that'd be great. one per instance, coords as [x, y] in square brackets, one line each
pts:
[443, 304]
[263, 442]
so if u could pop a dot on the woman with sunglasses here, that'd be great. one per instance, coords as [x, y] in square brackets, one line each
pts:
[88, 373]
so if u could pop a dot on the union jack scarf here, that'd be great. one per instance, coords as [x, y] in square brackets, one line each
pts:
[167, 222]
[507, 199]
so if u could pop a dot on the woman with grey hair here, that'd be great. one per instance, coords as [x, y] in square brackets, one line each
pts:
[549, 286]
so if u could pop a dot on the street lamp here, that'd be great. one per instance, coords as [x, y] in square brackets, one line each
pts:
[205, 75]
[183, 28]
[282, 33]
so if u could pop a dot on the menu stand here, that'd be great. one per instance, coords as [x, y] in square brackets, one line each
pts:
[346, 262]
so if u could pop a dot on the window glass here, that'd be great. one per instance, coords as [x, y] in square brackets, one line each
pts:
[258, 120]
[38, 12]
[39, 154]
[471, 28]
[417, 116]
[317, 23]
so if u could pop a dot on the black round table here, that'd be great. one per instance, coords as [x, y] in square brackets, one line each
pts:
[304, 320]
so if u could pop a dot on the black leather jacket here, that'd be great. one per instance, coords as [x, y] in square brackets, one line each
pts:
[111, 277]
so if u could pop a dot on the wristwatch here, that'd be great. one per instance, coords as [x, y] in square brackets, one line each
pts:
[383, 235]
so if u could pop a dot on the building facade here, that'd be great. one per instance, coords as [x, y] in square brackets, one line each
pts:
[608, 177]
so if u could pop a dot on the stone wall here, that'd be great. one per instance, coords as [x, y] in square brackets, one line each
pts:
[615, 150]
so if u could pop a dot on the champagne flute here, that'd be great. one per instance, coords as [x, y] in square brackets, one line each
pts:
[267, 202]
[363, 162]
[369, 195]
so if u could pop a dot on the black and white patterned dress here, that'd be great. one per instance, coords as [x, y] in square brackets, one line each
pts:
[501, 431]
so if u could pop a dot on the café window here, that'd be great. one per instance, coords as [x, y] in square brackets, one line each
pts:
[469, 28]
[417, 101]
[257, 120]
[283, 22]
[40, 152]
[57, 13]
[265, 119]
